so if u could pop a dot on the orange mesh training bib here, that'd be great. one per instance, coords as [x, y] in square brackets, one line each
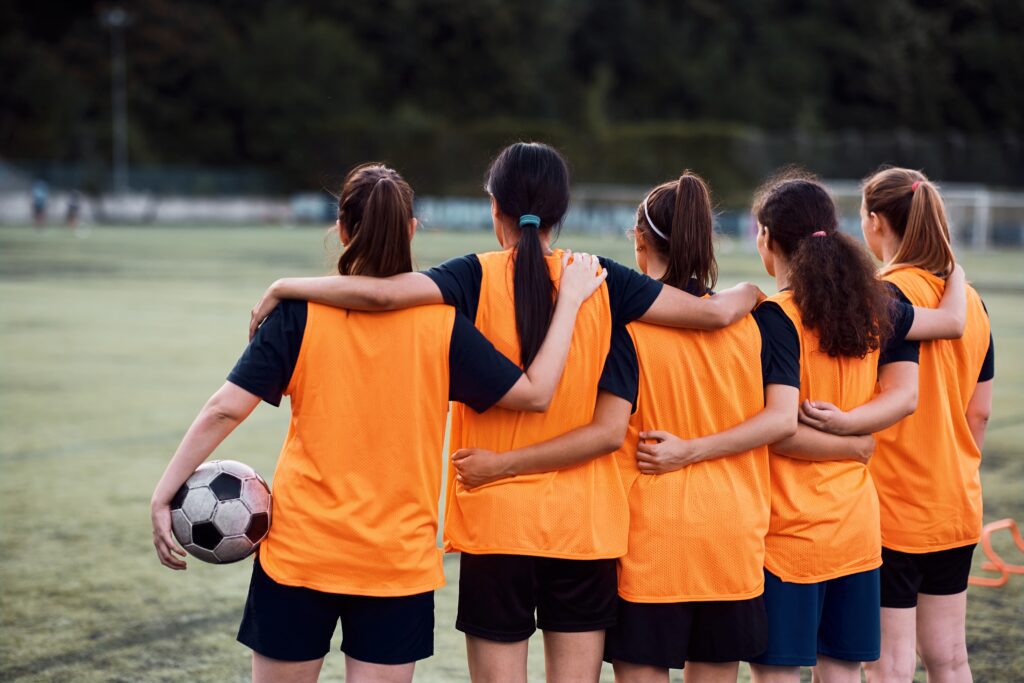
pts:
[824, 514]
[357, 483]
[696, 534]
[576, 513]
[926, 465]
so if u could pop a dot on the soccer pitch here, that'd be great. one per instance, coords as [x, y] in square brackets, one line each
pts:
[109, 346]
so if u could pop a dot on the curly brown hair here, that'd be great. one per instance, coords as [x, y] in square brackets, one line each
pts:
[831, 275]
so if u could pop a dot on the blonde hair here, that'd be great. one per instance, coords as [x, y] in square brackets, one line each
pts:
[914, 209]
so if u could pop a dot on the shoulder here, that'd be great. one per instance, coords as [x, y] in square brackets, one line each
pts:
[772, 316]
[293, 312]
[491, 257]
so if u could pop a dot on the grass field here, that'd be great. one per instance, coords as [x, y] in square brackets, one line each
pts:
[109, 345]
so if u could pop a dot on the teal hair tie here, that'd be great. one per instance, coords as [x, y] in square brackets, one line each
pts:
[529, 219]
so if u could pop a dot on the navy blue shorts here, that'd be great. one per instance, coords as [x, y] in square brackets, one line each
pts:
[905, 575]
[669, 634]
[296, 624]
[839, 618]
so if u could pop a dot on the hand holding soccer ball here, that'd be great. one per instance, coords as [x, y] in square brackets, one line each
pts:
[219, 515]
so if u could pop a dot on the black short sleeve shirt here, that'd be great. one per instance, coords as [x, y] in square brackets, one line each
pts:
[479, 375]
[780, 345]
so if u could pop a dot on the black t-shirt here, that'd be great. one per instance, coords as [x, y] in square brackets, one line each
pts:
[780, 345]
[630, 294]
[478, 374]
[988, 366]
[899, 348]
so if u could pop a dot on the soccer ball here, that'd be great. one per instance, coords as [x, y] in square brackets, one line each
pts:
[222, 512]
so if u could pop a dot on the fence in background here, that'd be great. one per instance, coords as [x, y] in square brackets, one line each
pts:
[980, 218]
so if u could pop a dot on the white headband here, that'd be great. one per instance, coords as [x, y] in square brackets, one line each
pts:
[654, 227]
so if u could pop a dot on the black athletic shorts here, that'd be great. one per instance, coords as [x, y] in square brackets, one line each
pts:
[671, 633]
[904, 575]
[296, 624]
[498, 595]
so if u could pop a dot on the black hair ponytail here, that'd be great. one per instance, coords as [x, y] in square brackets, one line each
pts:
[531, 179]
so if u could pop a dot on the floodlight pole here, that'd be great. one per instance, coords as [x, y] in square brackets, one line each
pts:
[116, 20]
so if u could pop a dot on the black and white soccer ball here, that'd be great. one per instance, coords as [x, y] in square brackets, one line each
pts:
[222, 512]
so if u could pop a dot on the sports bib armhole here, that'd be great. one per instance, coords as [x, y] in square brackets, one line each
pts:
[300, 362]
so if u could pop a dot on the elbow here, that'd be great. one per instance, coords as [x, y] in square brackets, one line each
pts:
[788, 424]
[959, 325]
[380, 299]
[979, 416]
[612, 438]
[222, 411]
[721, 316]
[538, 403]
[910, 402]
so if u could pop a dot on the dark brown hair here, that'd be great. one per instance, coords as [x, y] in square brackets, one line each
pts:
[681, 209]
[831, 275]
[375, 207]
[914, 209]
[531, 178]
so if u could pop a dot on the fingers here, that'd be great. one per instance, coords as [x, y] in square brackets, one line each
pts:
[814, 412]
[647, 448]
[461, 454]
[467, 484]
[656, 435]
[647, 457]
[566, 257]
[167, 553]
[172, 544]
[256, 319]
[810, 421]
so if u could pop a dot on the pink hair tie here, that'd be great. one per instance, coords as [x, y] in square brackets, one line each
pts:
[915, 185]
[820, 233]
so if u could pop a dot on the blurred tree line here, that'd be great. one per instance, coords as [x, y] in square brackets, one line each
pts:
[633, 91]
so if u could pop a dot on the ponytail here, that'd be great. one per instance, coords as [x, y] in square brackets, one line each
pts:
[678, 222]
[375, 207]
[831, 275]
[530, 183]
[533, 292]
[914, 209]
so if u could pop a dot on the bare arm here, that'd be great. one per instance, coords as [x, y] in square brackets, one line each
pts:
[948, 320]
[896, 398]
[810, 444]
[357, 292]
[534, 390]
[676, 308]
[222, 413]
[979, 408]
[604, 434]
[777, 420]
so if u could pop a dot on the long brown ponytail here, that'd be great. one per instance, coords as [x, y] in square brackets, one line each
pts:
[682, 213]
[914, 209]
[375, 208]
[831, 275]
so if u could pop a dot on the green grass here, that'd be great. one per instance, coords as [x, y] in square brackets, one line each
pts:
[108, 347]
